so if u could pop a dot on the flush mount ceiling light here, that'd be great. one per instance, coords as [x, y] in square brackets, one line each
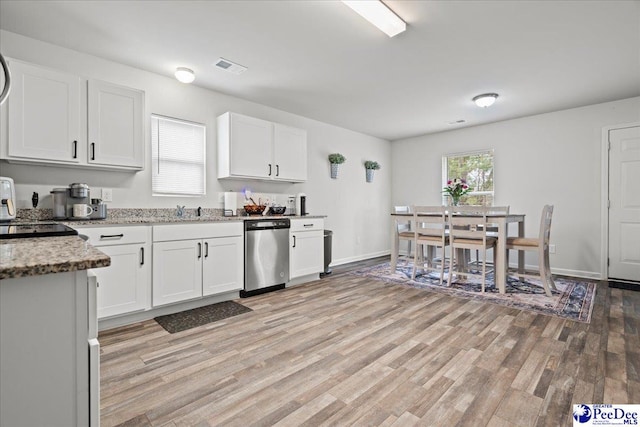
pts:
[185, 75]
[379, 15]
[485, 100]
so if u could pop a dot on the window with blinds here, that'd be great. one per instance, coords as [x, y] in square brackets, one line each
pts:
[178, 157]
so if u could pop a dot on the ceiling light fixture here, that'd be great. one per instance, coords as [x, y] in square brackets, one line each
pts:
[485, 100]
[379, 15]
[185, 75]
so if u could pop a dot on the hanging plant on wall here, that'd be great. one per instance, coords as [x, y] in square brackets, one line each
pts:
[370, 166]
[336, 159]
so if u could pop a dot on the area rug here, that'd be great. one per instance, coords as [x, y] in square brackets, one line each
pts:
[573, 300]
[184, 320]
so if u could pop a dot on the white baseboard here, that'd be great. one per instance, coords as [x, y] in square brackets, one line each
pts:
[593, 275]
[359, 258]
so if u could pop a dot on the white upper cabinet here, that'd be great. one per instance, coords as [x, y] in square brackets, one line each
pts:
[44, 114]
[259, 149]
[115, 125]
[289, 153]
[55, 119]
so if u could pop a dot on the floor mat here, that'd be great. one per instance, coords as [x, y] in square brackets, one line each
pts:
[184, 320]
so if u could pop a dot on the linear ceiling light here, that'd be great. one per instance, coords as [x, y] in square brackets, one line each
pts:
[485, 100]
[379, 15]
[185, 75]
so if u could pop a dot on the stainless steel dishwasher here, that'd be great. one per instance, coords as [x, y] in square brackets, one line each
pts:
[266, 255]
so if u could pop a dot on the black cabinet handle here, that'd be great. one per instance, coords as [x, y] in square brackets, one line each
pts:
[269, 169]
[277, 170]
[141, 256]
[206, 249]
[93, 151]
[75, 149]
[199, 250]
[294, 241]
[111, 236]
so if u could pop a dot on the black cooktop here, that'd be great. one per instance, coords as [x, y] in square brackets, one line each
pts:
[21, 231]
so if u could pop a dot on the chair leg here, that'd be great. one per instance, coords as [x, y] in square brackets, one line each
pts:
[415, 263]
[545, 275]
[441, 266]
[484, 268]
[452, 260]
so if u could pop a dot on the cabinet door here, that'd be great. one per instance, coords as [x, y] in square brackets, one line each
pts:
[222, 268]
[290, 153]
[306, 253]
[44, 114]
[124, 286]
[250, 152]
[177, 271]
[115, 125]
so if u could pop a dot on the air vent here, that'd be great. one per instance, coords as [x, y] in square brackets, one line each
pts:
[230, 66]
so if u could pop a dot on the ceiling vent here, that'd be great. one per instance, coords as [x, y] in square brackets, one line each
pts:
[229, 66]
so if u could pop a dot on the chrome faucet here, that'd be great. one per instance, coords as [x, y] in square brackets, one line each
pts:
[180, 211]
[199, 211]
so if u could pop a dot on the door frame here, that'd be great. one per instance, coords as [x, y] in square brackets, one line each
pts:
[604, 196]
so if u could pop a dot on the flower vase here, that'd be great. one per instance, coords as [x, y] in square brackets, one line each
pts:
[455, 201]
[369, 175]
[334, 170]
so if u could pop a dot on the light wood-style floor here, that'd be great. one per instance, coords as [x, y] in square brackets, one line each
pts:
[347, 350]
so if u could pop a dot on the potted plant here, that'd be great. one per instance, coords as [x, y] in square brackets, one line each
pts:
[370, 166]
[336, 159]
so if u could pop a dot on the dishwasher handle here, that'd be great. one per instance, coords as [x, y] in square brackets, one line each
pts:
[294, 240]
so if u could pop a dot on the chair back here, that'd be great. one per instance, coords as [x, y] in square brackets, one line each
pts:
[468, 223]
[402, 226]
[430, 220]
[545, 225]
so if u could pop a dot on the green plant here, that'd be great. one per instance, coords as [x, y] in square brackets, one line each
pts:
[337, 158]
[371, 164]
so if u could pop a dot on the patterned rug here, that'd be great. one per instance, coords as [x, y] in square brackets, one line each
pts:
[188, 319]
[573, 299]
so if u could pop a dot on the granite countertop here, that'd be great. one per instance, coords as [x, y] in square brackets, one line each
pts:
[151, 220]
[37, 256]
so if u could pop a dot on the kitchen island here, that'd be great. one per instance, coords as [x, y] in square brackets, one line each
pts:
[49, 355]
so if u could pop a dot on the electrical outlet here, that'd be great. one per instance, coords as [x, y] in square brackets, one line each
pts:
[107, 195]
[552, 249]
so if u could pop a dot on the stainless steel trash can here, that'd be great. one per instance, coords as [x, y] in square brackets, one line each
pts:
[328, 237]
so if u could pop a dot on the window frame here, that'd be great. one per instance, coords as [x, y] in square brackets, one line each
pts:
[445, 172]
[155, 160]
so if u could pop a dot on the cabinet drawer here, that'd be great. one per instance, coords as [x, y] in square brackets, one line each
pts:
[170, 232]
[108, 236]
[307, 224]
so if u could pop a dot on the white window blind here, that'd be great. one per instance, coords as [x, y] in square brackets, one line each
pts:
[178, 156]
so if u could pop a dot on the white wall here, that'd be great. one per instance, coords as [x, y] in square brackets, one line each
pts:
[552, 158]
[357, 212]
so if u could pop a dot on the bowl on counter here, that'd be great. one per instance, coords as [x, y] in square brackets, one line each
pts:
[254, 209]
[277, 210]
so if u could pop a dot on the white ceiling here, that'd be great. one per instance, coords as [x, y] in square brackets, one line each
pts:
[321, 60]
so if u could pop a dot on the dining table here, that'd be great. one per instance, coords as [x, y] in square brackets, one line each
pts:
[502, 222]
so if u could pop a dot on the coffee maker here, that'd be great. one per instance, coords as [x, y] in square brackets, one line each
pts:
[76, 193]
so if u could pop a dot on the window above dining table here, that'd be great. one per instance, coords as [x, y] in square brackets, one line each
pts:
[476, 169]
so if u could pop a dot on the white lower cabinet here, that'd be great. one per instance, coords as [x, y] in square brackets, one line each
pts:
[185, 267]
[124, 286]
[306, 249]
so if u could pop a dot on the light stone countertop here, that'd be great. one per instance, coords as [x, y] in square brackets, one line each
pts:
[151, 220]
[45, 255]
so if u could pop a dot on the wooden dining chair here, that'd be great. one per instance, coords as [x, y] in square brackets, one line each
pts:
[491, 231]
[539, 245]
[403, 228]
[429, 230]
[467, 231]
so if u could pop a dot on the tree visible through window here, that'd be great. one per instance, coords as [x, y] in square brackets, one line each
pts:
[477, 169]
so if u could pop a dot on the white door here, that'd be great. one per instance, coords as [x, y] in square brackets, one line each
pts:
[222, 268]
[44, 114]
[115, 125]
[123, 287]
[177, 271]
[624, 199]
[290, 153]
[306, 253]
[250, 147]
